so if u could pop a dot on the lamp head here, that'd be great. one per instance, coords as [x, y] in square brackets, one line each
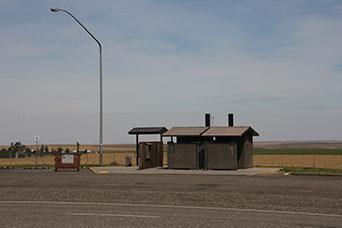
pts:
[55, 10]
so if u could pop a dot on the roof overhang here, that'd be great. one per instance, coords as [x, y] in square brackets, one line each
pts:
[147, 130]
[186, 131]
[235, 131]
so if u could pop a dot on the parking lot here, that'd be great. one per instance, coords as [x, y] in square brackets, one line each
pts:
[41, 198]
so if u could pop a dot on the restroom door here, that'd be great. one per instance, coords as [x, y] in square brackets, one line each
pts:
[201, 158]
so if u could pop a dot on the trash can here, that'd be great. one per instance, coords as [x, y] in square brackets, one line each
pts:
[67, 161]
[128, 161]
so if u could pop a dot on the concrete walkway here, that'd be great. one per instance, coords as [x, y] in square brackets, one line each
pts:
[165, 171]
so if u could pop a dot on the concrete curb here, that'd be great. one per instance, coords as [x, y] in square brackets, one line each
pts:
[23, 167]
[34, 167]
[156, 171]
[97, 172]
[316, 174]
[89, 168]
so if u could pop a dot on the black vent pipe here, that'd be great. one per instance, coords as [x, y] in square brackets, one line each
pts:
[207, 119]
[230, 120]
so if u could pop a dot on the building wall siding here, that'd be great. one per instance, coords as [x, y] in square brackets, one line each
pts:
[245, 154]
[182, 156]
[221, 156]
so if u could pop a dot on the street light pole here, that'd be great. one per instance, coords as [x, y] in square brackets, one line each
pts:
[55, 10]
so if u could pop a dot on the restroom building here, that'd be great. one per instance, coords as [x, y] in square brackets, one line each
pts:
[214, 148]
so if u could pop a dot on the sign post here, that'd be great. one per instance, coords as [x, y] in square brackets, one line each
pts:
[36, 140]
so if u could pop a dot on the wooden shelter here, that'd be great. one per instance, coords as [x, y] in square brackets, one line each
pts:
[148, 131]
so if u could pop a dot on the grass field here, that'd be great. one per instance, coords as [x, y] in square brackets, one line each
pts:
[314, 155]
[266, 151]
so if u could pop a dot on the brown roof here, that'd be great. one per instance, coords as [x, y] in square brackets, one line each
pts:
[229, 131]
[185, 131]
[147, 130]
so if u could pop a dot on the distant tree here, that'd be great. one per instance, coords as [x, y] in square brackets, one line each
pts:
[15, 148]
[4, 153]
[59, 149]
[28, 152]
[67, 150]
[46, 149]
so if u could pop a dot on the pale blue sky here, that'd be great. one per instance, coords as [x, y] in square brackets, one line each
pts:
[276, 64]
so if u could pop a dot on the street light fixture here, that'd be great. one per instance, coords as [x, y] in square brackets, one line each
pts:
[55, 10]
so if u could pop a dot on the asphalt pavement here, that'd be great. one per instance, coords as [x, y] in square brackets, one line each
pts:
[44, 198]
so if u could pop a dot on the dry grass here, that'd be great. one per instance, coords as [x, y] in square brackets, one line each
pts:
[86, 160]
[115, 154]
[119, 158]
[316, 161]
[299, 145]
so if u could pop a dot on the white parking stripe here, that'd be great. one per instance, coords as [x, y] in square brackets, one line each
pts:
[175, 206]
[113, 215]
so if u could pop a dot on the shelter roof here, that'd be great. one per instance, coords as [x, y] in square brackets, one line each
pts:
[147, 130]
[185, 131]
[230, 131]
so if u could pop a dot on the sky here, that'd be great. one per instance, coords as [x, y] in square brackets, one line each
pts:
[277, 65]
